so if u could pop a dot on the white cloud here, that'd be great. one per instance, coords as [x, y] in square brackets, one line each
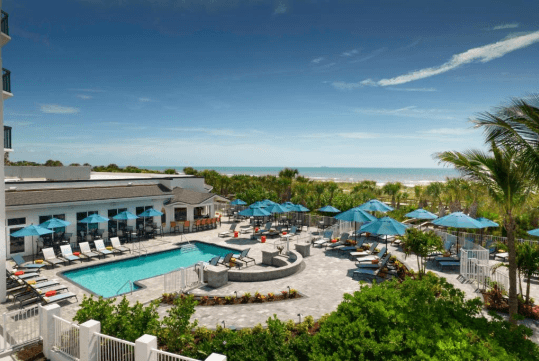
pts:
[350, 52]
[448, 131]
[317, 60]
[57, 109]
[17, 124]
[506, 26]
[409, 111]
[482, 54]
[413, 89]
[371, 55]
[281, 8]
[84, 96]
[87, 90]
[217, 132]
[144, 100]
[359, 135]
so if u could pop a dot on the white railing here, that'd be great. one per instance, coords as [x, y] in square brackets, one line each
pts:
[114, 349]
[158, 355]
[20, 327]
[501, 277]
[66, 337]
[474, 264]
[184, 278]
[483, 238]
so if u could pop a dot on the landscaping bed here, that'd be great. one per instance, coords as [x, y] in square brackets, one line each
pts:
[33, 352]
[168, 298]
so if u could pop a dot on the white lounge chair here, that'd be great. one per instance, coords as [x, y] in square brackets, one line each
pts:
[67, 253]
[50, 257]
[117, 246]
[230, 232]
[326, 238]
[86, 251]
[100, 248]
[365, 253]
[369, 259]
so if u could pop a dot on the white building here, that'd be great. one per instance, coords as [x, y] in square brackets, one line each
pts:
[6, 93]
[35, 194]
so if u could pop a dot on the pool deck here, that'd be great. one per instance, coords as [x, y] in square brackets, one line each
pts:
[325, 277]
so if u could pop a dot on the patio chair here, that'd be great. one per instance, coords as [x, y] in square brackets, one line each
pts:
[214, 261]
[100, 248]
[447, 249]
[22, 264]
[341, 243]
[50, 257]
[264, 230]
[68, 255]
[230, 232]
[445, 264]
[186, 226]
[372, 269]
[504, 256]
[86, 251]
[324, 239]
[351, 248]
[226, 259]
[117, 246]
[371, 258]
[491, 248]
[243, 257]
[47, 300]
[365, 253]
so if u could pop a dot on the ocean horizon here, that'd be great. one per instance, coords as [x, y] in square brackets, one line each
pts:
[407, 176]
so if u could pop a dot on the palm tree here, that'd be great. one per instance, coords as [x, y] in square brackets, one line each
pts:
[434, 190]
[391, 189]
[506, 180]
[332, 188]
[527, 263]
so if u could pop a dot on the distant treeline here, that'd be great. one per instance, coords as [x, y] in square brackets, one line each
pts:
[113, 168]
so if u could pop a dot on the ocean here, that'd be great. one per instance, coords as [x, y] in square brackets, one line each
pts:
[407, 176]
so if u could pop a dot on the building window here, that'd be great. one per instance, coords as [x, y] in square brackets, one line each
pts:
[16, 221]
[43, 219]
[180, 214]
[85, 227]
[142, 220]
[16, 244]
[115, 225]
[163, 216]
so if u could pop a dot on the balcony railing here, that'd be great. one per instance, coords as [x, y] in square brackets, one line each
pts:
[5, 25]
[6, 80]
[7, 137]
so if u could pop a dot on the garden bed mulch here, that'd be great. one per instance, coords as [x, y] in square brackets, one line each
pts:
[231, 300]
[33, 352]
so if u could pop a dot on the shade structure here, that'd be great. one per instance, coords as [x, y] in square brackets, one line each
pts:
[54, 223]
[150, 212]
[458, 220]
[534, 232]
[356, 215]
[487, 222]
[276, 208]
[421, 213]
[258, 204]
[94, 218]
[386, 226]
[287, 204]
[298, 208]
[32, 230]
[124, 216]
[237, 202]
[254, 212]
[374, 205]
[329, 209]
[269, 202]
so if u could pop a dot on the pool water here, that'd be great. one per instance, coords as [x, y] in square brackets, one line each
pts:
[106, 279]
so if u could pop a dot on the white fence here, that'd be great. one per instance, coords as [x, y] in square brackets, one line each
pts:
[483, 238]
[501, 277]
[158, 355]
[66, 337]
[183, 279]
[474, 263]
[114, 349]
[20, 327]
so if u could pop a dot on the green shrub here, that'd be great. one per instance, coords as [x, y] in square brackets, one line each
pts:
[175, 332]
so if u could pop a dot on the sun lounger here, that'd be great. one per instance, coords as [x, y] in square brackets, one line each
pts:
[373, 265]
[263, 231]
[230, 232]
[325, 238]
[341, 243]
[47, 300]
[67, 254]
[369, 252]
[247, 229]
[117, 246]
[372, 269]
[503, 256]
[449, 264]
[351, 248]
[86, 251]
[243, 257]
[100, 248]
[22, 264]
[226, 259]
[50, 257]
[214, 261]
[366, 259]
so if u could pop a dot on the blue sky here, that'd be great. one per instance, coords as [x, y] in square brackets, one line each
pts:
[261, 83]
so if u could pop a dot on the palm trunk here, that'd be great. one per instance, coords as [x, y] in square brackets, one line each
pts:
[528, 288]
[513, 300]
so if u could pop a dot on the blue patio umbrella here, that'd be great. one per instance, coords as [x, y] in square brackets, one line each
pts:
[150, 212]
[269, 202]
[54, 223]
[355, 215]
[329, 209]
[32, 230]
[487, 222]
[298, 208]
[254, 212]
[421, 214]
[386, 226]
[94, 218]
[237, 202]
[287, 204]
[374, 205]
[124, 216]
[276, 208]
[458, 220]
[534, 232]
[258, 204]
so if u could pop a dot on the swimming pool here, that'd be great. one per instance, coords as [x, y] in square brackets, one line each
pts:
[105, 279]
